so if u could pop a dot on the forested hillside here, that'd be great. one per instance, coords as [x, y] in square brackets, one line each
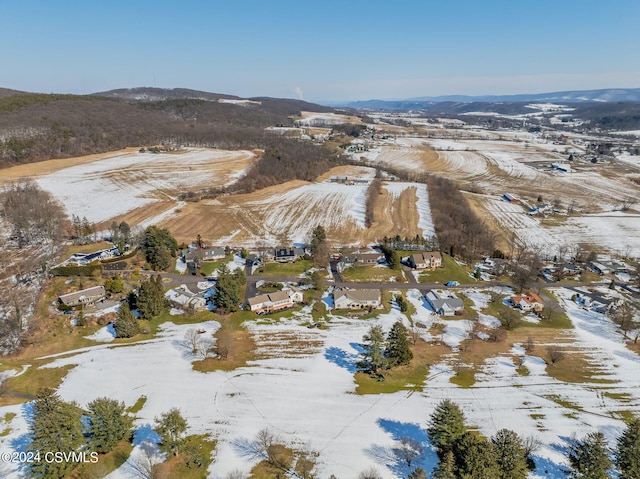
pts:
[37, 127]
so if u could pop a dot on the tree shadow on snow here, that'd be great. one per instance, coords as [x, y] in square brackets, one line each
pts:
[397, 457]
[548, 469]
[145, 434]
[342, 358]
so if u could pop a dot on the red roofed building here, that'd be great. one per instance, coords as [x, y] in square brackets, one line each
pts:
[528, 302]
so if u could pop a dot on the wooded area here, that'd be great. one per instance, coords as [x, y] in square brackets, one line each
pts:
[41, 127]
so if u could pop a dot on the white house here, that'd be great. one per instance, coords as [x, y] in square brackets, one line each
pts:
[528, 302]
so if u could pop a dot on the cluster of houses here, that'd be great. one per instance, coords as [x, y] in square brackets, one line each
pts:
[596, 301]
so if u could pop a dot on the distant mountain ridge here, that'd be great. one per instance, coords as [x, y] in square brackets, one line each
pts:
[162, 94]
[608, 95]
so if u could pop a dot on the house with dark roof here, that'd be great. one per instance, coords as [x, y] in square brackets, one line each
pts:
[288, 255]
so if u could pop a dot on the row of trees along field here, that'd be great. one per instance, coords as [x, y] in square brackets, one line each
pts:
[465, 454]
[459, 231]
[64, 427]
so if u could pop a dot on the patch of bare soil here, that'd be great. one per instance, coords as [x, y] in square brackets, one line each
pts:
[394, 215]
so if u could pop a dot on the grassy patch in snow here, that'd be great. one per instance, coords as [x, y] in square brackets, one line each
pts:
[9, 417]
[450, 271]
[404, 378]
[465, 377]
[24, 387]
[286, 269]
[624, 415]
[563, 402]
[139, 404]
[523, 370]
[282, 460]
[622, 397]
[209, 267]
[372, 274]
[193, 462]
[233, 336]
[106, 464]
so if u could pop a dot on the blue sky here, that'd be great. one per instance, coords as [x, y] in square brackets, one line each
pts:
[320, 51]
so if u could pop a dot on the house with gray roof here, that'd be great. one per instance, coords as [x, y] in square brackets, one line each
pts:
[444, 303]
[85, 297]
[357, 299]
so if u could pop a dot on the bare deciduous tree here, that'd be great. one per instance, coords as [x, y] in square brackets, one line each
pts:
[510, 318]
[529, 345]
[555, 354]
[145, 465]
[236, 474]
[370, 473]
[192, 339]
[408, 450]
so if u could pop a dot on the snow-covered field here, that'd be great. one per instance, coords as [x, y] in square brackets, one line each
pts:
[307, 397]
[615, 232]
[298, 211]
[112, 186]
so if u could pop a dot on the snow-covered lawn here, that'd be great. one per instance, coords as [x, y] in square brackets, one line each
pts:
[308, 396]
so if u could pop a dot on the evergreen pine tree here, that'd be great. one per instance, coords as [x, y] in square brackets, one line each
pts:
[589, 458]
[373, 358]
[398, 351]
[475, 457]
[510, 455]
[627, 454]
[126, 325]
[446, 426]
[108, 424]
[55, 427]
[228, 289]
[150, 299]
[446, 469]
[171, 428]
[159, 247]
